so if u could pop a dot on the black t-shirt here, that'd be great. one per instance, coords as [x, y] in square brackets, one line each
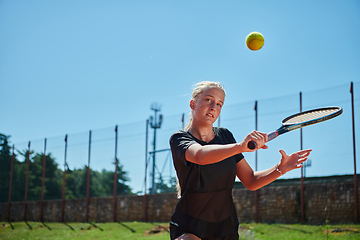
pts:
[206, 206]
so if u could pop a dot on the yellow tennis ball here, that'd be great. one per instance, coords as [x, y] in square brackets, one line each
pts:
[255, 41]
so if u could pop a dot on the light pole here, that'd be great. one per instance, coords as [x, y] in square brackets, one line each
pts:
[155, 123]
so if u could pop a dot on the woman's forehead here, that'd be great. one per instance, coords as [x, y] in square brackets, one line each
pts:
[214, 92]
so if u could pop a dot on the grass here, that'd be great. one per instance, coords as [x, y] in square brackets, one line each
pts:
[160, 231]
[299, 231]
[128, 230]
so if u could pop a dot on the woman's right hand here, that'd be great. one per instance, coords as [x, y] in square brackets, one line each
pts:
[259, 138]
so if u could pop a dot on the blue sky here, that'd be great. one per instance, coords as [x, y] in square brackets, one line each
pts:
[71, 66]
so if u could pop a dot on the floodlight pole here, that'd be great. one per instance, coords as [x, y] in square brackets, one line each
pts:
[155, 123]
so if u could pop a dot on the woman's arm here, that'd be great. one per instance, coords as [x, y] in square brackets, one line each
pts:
[209, 154]
[214, 153]
[255, 180]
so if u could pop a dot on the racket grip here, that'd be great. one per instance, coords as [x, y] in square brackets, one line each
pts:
[252, 145]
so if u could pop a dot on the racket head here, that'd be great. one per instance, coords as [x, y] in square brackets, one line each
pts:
[310, 117]
[301, 120]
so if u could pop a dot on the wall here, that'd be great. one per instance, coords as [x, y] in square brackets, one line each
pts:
[276, 204]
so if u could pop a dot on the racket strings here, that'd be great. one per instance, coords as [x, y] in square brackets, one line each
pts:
[309, 116]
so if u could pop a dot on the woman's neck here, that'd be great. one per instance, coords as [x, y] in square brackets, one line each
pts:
[205, 134]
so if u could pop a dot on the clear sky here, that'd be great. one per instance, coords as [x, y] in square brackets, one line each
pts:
[71, 66]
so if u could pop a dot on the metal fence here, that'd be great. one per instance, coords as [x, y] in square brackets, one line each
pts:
[132, 145]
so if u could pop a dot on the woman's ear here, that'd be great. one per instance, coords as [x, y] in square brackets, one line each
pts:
[192, 104]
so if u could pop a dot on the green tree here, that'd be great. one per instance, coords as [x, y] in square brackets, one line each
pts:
[19, 177]
[162, 187]
[122, 178]
[80, 176]
[5, 165]
[52, 183]
[70, 185]
[107, 182]
[76, 183]
[101, 183]
[18, 184]
[96, 188]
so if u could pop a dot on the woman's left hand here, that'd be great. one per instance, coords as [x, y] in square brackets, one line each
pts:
[293, 161]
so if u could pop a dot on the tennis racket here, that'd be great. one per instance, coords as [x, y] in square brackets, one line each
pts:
[301, 120]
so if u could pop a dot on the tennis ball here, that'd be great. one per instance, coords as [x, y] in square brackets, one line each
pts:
[255, 41]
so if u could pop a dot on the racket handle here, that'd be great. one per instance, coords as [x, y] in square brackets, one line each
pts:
[252, 145]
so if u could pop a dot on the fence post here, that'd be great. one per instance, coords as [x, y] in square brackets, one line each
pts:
[42, 185]
[10, 184]
[64, 181]
[115, 174]
[256, 160]
[146, 165]
[302, 171]
[354, 150]
[27, 180]
[88, 181]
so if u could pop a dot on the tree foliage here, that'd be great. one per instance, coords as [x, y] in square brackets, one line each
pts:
[5, 164]
[101, 183]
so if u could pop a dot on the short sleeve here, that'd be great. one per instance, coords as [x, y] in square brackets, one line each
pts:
[179, 142]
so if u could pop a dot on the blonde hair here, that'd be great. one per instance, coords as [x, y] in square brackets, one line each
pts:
[198, 89]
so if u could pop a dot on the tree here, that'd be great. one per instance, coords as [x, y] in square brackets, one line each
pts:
[70, 185]
[52, 184]
[122, 178]
[5, 165]
[101, 183]
[18, 184]
[162, 187]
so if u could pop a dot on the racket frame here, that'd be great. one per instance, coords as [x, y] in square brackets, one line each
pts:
[290, 127]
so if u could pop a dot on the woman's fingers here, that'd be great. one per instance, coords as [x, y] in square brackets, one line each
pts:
[304, 153]
[260, 138]
[295, 160]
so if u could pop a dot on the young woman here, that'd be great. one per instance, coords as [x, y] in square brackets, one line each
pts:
[207, 159]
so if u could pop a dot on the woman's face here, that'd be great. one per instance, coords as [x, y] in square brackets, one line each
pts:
[207, 106]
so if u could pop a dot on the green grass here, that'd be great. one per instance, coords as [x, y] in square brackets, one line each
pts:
[300, 231]
[71, 231]
[149, 231]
